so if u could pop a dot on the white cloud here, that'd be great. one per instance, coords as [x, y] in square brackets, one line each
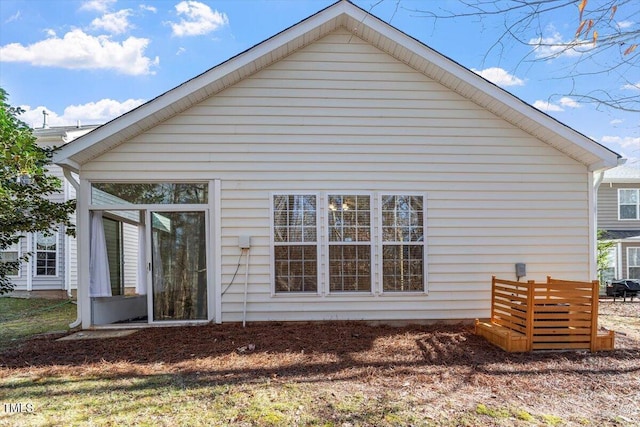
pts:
[114, 23]
[568, 102]
[616, 122]
[91, 113]
[561, 105]
[499, 76]
[553, 46]
[632, 86]
[625, 24]
[13, 17]
[180, 51]
[148, 8]
[197, 19]
[623, 141]
[97, 5]
[77, 50]
[547, 106]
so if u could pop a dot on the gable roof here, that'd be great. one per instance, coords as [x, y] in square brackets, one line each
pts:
[369, 28]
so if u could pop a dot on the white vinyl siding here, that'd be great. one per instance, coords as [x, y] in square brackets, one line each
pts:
[342, 116]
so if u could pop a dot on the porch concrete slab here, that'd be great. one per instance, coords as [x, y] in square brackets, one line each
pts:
[92, 335]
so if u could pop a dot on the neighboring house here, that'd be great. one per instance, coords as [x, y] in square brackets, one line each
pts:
[619, 218]
[51, 271]
[338, 170]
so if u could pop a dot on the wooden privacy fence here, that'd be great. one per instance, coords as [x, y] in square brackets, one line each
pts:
[556, 315]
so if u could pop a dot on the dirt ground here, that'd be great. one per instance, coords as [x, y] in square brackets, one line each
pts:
[446, 366]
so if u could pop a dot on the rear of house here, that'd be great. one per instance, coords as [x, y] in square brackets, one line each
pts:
[339, 170]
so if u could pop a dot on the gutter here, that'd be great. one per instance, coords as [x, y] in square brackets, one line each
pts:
[76, 185]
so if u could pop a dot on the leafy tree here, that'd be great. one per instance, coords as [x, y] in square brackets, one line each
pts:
[602, 255]
[24, 188]
[605, 41]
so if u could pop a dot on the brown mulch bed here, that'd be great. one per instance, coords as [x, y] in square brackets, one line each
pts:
[434, 360]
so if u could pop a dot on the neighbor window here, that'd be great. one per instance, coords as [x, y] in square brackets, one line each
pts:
[628, 201]
[633, 263]
[402, 243]
[295, 239]
[11, 254]
[349, 243]
[46, 254]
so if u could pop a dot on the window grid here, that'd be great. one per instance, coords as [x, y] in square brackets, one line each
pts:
[633, 263]
[46, 254]
[295, 243]
[11, 254]
[628, 203]
[349, 230]
[402, 222]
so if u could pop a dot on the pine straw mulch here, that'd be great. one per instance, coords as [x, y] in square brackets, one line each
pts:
[445, 366]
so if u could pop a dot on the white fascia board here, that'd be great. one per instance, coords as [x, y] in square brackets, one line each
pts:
[184, 90]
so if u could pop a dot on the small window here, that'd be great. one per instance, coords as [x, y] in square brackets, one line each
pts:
[402, 243]
[349, 218]
[628, 203]
[633, 263]
[46, 254]
[170, 193]
[11, 254]
[295, 239]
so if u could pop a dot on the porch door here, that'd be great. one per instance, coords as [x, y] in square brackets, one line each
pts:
[178, 265]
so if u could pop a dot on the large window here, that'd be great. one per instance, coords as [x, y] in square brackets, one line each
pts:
[11, 254]
[46, 254]
[349, 243]
[402, 243]
[295, 238]
[628, 203]
[633, 263]
[359, 235]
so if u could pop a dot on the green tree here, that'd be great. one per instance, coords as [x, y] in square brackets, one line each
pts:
[25, 186]
[603, 253]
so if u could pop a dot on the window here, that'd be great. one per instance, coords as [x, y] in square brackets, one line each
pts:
[349, 243]
[46, 254]
[171, 193]
[295, 238]
[402, 243]
[628, 200]
[633, 263]
[363, 243]
[11, 254]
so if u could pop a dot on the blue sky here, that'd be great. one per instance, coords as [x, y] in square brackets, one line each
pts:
[92, 60]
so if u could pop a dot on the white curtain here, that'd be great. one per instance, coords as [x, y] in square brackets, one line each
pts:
[141, 285]
[99, 277]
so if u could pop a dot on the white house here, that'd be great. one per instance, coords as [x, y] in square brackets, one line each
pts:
[340, 169]
[51, 271]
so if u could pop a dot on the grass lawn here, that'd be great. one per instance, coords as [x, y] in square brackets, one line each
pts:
[342, 374]
[22, 318]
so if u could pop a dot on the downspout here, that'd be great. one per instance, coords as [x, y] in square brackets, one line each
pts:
[76, 186]
[597, 178]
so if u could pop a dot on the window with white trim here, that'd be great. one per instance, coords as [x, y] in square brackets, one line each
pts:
[295, 237]
[402, 243]
[349, 221]
[369, 243]
[628, 203]
[633, 263]
[46, 254]
[11, 254]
